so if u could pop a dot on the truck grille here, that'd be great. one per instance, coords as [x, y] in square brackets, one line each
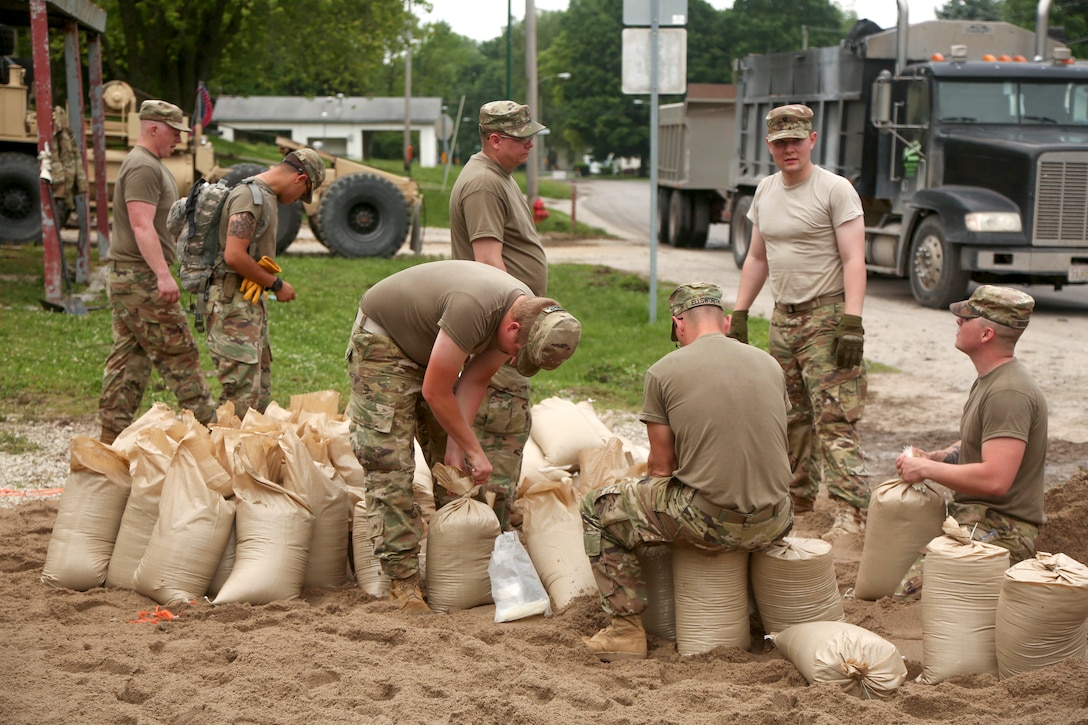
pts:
[1061, 200]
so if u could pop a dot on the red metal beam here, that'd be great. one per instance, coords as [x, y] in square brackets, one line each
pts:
[43, 96]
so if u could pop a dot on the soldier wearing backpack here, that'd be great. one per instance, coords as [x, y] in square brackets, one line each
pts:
[238, 314]
[149, 326]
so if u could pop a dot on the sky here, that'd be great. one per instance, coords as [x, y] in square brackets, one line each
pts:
[486, 19]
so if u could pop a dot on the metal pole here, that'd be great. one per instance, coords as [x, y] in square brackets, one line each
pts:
[453, 146]
[98, 141]
[74, 79]
[655, 9]
[43, 99]
[509, 50]
[532, 166]
[408, 96]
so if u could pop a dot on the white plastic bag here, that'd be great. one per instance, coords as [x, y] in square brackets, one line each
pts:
[515, 586]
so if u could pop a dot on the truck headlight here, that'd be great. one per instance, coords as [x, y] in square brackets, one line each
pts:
[993, 221]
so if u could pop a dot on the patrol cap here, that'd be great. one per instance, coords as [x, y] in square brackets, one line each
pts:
[510, 118]
[168, 113]
[306, 161]
[792, 121]
[1003, 305]
[697, 294]
[553, 338]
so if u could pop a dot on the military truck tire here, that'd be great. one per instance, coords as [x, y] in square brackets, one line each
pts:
[315, 228]
[740, 231]
[364, 215]
[290, 215]
[20, 198]
[936, 279]
[700, 221]
[679, 218]
[663, 195]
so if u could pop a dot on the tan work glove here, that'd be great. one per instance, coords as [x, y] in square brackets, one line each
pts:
[252, 291]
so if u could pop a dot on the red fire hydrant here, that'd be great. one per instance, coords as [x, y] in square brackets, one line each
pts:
[539, 212]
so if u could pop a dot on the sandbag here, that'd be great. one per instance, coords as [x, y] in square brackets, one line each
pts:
[793, 581]
[561, 431]
[159, 415]
[192, 529]
[368, 569]
[1042, 614]
[89, 516]
[423, 486]
[659, 616]
[903, 518]
[711, 592]
[554, 537]
[961, 585]
[515, 586]
[857, 660]
[326, 563]
[603, 426]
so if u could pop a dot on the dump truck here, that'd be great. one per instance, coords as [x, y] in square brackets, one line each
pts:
[966, 141]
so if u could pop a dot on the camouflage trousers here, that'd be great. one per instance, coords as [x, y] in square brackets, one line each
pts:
[989, 526]
[826, 403]
[619, 518]
[502, 427]
[241, 350]
[148, 333]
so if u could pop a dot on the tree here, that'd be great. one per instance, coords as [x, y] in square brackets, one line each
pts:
[971, 10]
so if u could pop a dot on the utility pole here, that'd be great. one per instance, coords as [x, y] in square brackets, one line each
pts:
[532, 168]
[408, 96]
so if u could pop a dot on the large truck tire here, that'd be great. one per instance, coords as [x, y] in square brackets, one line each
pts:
[20, 198]
[290, 215]
[364, 215]
[936, 279]
[663, 196]
[740, 230]
[315, 228]
[700, 221]
[679, 218]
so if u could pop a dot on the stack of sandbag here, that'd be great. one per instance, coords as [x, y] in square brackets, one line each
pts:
[711, 594]
[857, 660]
[961, 586]
[793, 581]
[903, 518]
[1042, 614]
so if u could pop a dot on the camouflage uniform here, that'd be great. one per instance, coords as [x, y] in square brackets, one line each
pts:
[239, 345]
[826, 402]
[148, 332]
[619, 518]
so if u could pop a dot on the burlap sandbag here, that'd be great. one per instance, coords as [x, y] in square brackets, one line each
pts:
[659, 616]
[368, 569]
[89, 516]
[460, 540]
[793, 581]
[1042, 613]
[555, 540]
[961, 586]
[152, 454]
[423, 486]
[159, 415]
[857, 660]
[341, 455]
[326, 564]
[603, 425]
[561, 431]
[903, 518]
[191, 532]
[711, 592]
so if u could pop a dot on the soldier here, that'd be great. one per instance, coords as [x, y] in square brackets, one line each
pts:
[808, 236]
[149, 326]
[413, 334]
[996, 469]
[490, 222]
[238, 322]
[718, 486]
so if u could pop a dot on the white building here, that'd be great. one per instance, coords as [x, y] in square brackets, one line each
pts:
[335, 124]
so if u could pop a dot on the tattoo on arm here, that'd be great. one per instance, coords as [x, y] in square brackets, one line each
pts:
[242, 226]
[952, 454]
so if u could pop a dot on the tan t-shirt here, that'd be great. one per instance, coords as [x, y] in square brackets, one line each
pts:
[466, 299]
[143, 177]
[486, 202]
[798, 225]
[240, 201]
[1008, 403]
[726, 405]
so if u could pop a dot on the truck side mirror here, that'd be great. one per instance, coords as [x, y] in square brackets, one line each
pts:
[880, 113]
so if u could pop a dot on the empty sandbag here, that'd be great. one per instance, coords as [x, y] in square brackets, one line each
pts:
[857, 660]
[793, 581]
[515, 586]
[711, 592]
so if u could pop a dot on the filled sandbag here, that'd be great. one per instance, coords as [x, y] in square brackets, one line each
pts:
[603, 426]
[562, 430]
[711, 592]
[159, 415]
[961, 585]
[1042, 614]
[89, 516]
[326, 563]
[368, 569]
[423, 486]
[793, 581]
[857, 660]
[555, 540]
[659, 616]
[903, 518]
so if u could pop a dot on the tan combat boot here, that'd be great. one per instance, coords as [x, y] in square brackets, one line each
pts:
[406, 595]
[848, 520]
[624, 639]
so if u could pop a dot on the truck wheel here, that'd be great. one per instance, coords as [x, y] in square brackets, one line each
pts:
[740, 230]
[663, 195]
[290, 215]
[700, 221]
[20, 198]
[311, 219]
[679, 218]
[364, 215]
[936, 279]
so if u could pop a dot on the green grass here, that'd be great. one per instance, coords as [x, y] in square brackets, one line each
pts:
[53, 362]
[14, 444]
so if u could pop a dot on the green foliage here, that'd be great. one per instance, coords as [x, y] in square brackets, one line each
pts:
[971, 10]
[15, 444]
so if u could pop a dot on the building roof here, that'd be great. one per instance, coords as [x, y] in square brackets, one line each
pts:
[350, 109]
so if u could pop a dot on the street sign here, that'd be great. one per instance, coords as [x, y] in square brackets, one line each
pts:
[443, 126]
[670, 12]
[672, 60]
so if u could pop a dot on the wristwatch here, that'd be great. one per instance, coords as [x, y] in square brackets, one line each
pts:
[277, 285]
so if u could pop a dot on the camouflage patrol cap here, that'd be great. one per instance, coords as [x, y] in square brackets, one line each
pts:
[792, 121]
[306, 161]
[168, 113]
[553, 338]
[697, 294]
[513, 119]
[1003, 305]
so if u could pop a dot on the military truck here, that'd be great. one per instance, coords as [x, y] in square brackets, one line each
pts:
[970, 159]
